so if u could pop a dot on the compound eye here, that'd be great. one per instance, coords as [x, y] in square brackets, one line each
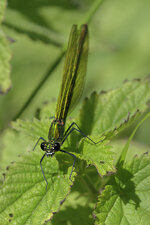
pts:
[43, 146]
[56, 146]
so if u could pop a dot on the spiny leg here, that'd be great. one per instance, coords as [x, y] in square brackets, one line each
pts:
[43, 171]
[70, 128]
[68, 132]
[38, 142]
[73, 162]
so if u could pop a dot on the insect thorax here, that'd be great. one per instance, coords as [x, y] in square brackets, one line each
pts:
[56, 130]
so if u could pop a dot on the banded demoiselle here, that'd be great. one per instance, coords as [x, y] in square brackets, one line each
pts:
[71, 89]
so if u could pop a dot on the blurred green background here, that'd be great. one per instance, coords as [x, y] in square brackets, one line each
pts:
[119, 49]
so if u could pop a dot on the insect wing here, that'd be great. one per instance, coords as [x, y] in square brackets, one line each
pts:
[74, 71]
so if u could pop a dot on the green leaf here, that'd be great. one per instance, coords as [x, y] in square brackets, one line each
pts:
[13, 144]
[130, 97]
[40, 19]
[128, 195]
[76, 204]
[24, 183]
[101, 115]
[5, 83]
[34, 128]
[101, 156]
[108, 113]
[80, 201]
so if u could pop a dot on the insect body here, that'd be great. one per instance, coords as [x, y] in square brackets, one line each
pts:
[71, 89]
[55, 137]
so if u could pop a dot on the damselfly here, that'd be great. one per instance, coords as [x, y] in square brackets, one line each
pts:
[71, 88]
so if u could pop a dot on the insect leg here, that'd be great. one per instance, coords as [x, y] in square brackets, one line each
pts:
[73, 162]
[38, 142]
[43, 171]
[72, 129]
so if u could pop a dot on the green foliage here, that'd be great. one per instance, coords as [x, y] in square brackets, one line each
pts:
[13, 145]
[24, 180]
[119, 49]
[127, 194]
[110, 112]
[24, 184]
[108, 181]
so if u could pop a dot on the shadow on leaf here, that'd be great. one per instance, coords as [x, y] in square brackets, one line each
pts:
[125, 187]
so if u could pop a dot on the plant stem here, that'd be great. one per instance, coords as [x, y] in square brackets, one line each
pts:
[47, 74]
[92, 11]
[126, 147]
[87, 20]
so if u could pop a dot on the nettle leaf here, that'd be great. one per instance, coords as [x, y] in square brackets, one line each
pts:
[27, 173]
[101, 156]
[37, 128]
[34, 128]
[76, 204]
[24, 180]
[126, 200]
[23, 197]
[103, 116]
[109, 112]
[12, 144]
[5, 83]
